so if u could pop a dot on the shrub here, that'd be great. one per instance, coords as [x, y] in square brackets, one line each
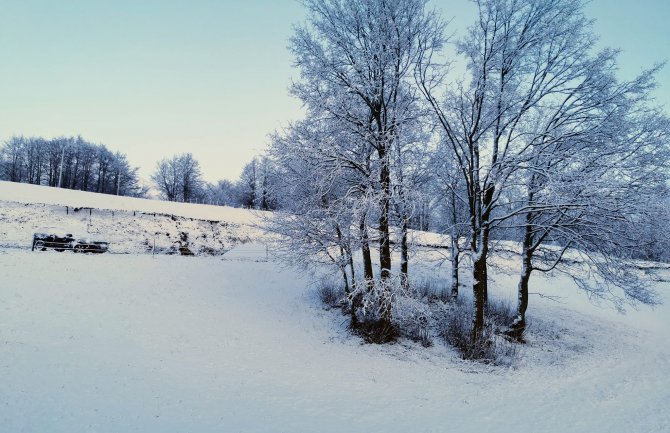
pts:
[331, 294]
[377, 331]
[431, 289]
[412, 318]
[490, 348]
[501, 312]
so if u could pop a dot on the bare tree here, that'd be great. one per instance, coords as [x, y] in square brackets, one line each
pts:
[532, 83]
[356, 59]
[68, 162]
[166, 179]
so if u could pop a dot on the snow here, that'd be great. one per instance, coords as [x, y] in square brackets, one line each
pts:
[131, 225]
[237, 343]
[26, 193]
[175, 344]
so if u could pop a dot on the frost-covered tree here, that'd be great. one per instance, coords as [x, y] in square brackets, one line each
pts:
[532, 82]
[356, 60]
[257, 184]
[324, 177]
[223, 193]
[179, 178]
[68, 162]
[586, 198]
[447, 188]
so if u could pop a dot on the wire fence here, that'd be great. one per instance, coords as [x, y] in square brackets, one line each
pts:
[128, 232]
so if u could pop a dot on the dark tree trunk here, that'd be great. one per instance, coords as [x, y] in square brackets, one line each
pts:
[367, 257]
[455, 256]
[404, 255]
[385, 238]
[356, 299]
[455, 251]
[518, 326]
[480, 265]
[384, 235]
[479, 275]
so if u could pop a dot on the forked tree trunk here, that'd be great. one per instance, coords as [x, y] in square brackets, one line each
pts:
[480, 264]
[349, 289]
[480, 283]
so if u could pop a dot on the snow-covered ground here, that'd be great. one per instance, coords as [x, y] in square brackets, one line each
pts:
[26, 193]
[237, 343]
[131, 343]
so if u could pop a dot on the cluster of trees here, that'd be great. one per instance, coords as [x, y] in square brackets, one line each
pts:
[539, 142]
[68, 162]
[179, 178]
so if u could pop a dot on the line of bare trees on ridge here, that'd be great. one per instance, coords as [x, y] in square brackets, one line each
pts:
[68, 162]
[179, 178]
[75, 163]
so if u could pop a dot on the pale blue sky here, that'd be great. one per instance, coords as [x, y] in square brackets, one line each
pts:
[153, 78]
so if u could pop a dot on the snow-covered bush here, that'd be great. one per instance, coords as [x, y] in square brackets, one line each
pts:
[331, 293]
[492, 348]
[413, 318]
[430, 289]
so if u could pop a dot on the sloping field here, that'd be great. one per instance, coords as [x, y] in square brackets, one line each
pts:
[131, 225]
[236, 343]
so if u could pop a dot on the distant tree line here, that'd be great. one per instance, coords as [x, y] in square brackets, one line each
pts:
[179, 178]
[68, 162]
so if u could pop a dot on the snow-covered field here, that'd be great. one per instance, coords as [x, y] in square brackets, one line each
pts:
[237, 343]
[131, 225]
[26, 193]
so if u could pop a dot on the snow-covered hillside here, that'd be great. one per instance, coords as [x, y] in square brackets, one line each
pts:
[131, 225]
[237, 343]
[26, 193]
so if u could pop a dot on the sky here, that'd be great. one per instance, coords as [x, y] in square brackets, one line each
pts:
[155, 78]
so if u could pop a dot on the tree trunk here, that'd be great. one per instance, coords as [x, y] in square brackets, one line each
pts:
[518, 326]
[404, 255]
[356, 299]
[455, 252]
[480, 282]
[367, 257]
[479, 291]
[385, 238]
[343, 264]
[384, 235]
[455, 256]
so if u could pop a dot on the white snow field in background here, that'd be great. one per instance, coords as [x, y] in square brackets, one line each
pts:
[237, 343]
[26, 193]
[130, 225]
